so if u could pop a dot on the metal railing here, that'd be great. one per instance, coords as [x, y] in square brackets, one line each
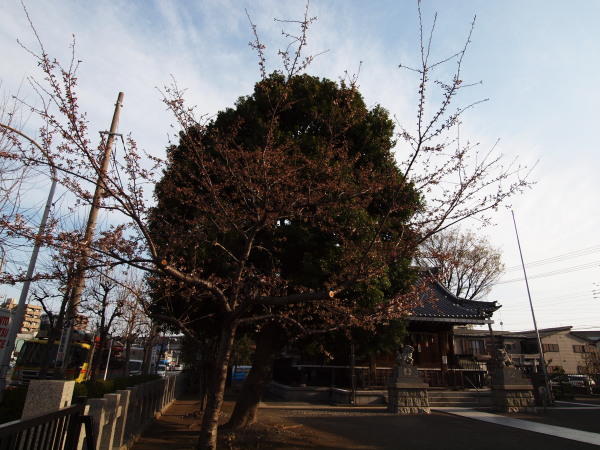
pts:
[59, 430]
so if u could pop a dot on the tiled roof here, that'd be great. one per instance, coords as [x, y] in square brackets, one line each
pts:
[529, 334]
[590, 335]
[545, 331]
[484, 333]
[438, 302]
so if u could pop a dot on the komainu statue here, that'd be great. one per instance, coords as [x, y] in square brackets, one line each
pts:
[504, 359]
[405, 358]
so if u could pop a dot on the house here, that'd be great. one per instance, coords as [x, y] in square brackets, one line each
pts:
[573, 351]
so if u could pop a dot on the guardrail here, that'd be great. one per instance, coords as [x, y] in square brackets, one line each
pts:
[55, 430]
[114, 421]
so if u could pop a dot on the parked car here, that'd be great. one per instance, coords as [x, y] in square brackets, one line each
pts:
[573, 380]
[581, 380]
[161, 370]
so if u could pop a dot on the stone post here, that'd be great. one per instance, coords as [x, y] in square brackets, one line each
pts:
[407, 394]
[111, 413]
[96, 410]
[510, 391]
[123, 418]
[44, 396]
[134, 420]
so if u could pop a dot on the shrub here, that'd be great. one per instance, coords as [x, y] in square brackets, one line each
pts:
[97, 389]
[12, 404]
[13, 401]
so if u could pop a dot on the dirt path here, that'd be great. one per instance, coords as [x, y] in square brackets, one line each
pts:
[283, 426]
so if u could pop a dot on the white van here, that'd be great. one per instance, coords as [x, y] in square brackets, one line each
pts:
[161, 370]
[135, 367]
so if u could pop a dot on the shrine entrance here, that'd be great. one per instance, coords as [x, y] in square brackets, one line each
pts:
[427, 349]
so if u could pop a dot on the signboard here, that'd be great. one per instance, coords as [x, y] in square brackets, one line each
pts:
[5, 316]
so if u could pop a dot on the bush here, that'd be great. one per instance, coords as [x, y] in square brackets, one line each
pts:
[13, 401]
[11, 407]
[97, 389]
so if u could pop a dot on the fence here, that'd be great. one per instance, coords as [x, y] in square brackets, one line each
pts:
[341, 376]
[56, 430]
[114, 421]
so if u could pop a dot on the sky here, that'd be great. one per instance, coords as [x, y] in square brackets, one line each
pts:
[537, 62]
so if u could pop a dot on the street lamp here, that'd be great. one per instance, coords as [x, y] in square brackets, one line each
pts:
[110, 341]
[17, 319]
[547, 396]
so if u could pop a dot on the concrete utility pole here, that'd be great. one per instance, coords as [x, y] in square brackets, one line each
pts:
[62, 358]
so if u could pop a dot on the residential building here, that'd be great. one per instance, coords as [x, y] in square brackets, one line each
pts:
[31, 318]
[81, 323]
[573, 351]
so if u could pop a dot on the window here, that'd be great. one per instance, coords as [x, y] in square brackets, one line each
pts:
[550, 347]
[470, 346]
[579, 348]
[476, 347]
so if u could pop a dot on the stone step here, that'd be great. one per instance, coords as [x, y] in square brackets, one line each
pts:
[464, 399]
[433, 404]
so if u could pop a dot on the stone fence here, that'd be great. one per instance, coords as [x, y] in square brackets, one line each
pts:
[119, 419]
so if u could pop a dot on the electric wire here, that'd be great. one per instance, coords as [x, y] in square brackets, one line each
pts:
[553, 272]
[558, 258]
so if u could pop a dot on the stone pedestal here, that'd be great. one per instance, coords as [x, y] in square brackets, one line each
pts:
[44, 396]
[407, 394]
[511, 392]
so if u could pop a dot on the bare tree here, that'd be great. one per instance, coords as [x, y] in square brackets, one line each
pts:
[103, 302]
[467, 264]
[457, 178]
[17, 180]
[134, 325]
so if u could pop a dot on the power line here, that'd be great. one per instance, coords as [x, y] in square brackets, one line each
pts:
[547, 306]
[569, 296]
[559, 258]
[554, 272]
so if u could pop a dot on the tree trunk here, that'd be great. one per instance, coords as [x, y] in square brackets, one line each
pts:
[210, 418]
[268, 344]
[46, 354]
[96, 365]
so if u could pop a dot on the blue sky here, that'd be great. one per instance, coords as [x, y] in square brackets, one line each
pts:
[538, 62]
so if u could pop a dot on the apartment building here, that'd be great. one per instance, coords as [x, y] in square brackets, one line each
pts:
[31, 319]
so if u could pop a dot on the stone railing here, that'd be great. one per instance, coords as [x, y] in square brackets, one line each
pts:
[118, 419]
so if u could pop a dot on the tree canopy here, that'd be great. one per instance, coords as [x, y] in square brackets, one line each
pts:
[468, 265]
[292, 192]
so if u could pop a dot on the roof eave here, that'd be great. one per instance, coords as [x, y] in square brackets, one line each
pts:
[461, 320]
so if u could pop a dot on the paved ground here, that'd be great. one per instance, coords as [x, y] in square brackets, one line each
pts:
[176, 429]
[572, 426]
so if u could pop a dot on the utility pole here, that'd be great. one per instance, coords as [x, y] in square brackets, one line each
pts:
[62, 358]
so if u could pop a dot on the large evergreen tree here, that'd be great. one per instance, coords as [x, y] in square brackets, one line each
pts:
[290, 206]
